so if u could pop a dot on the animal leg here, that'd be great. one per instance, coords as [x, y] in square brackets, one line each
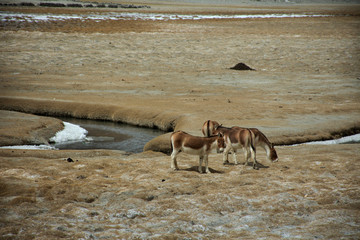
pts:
[174, 165]
[200, 163]
[226, 154]
[235, 157]
[246, 155]
[206, 164]
[253, 157]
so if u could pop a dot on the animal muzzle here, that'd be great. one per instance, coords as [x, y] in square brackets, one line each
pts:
[220, 150]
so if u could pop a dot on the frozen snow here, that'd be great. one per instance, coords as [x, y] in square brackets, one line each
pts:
[30, 17]
[30, 147]
[348, 139]
[70, 133]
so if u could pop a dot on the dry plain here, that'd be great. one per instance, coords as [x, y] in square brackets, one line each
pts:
[175, 75]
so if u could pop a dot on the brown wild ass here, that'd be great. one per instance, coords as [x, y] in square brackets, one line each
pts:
[236, 139]
[201, 146]
[262, 141]
[209, 128]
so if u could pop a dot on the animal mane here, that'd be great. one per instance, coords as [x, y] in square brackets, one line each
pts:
[266, 139]
[221, 126]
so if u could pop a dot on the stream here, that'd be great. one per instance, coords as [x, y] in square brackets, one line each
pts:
[82, 134]
[109, 135]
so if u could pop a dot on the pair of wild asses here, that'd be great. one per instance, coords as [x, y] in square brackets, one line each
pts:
[223, 139]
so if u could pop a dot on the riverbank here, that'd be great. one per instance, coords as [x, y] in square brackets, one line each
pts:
[27, 129]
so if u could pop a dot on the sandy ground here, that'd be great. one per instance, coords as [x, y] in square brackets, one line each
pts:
[175, 75]
[311, 193]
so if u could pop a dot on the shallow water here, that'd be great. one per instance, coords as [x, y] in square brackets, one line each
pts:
[110, 135]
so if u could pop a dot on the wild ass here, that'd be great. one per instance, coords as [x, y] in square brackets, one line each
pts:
[201, 146]
[236, 139]
[210, 127]
[262, 141]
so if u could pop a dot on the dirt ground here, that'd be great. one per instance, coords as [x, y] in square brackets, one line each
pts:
[311, 193]
[175, 75]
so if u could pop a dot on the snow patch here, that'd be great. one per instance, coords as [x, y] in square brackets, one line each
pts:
[30, 147]
[348, 139]
[30, 17]
[70, 133]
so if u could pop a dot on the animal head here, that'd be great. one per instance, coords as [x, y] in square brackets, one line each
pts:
[273, 154]
[215, 130]
[221, 145]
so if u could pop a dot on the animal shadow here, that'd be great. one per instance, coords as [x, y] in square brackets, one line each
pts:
[196, 169]
[258, 165]
[230, 164]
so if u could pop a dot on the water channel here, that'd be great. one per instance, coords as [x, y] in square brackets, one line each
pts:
[110, 135]
[95, 134]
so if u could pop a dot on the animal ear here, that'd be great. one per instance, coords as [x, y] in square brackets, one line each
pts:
[220, 134]
[218, 126]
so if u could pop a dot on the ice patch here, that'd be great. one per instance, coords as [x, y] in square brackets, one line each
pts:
[30, 17]
[349, 139]
[70, 133]
[30, 147]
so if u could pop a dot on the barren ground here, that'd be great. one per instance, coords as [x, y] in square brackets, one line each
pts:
[175, 75]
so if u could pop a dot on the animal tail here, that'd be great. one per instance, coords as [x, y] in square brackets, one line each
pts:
[208, 128]
[171, 143]
[207, 132]
[252, 140]
[252, 147]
